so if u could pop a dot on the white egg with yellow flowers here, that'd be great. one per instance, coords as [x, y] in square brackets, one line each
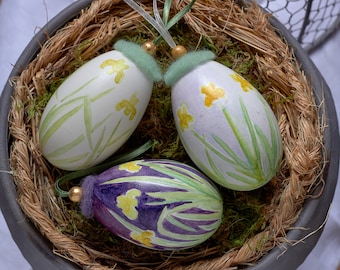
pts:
[96, 109]
[226, 126]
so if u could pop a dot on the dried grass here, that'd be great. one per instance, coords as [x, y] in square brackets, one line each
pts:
[291, 97]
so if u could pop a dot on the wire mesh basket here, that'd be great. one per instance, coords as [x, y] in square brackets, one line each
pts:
[311, 22]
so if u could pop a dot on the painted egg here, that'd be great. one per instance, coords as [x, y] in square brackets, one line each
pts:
[157, 204]
[226, 126]
[96, 109]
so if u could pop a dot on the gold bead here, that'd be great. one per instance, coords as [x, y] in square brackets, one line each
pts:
[75, 194]
[149, 47]
[178, 51]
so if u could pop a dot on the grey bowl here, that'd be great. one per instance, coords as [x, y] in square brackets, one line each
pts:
[38, 250]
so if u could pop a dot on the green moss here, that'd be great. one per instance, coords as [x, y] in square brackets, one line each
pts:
[245, 218]
[53, 86]
[77, 54]
[37, 104]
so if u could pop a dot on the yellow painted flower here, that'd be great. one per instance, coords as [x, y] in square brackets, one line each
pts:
[185, 118]
[128, 203]
[245, 85]
[211, 93]
[143, 237]
[131, 166]
[129, 106]
[115, 67]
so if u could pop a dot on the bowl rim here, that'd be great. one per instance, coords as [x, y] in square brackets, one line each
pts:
[315, 210]
[26, 236]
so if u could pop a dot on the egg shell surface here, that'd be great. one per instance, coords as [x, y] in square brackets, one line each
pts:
[94, 111]
[227, 127]
[156, 204]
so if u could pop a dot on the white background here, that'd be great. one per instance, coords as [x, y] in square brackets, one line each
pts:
[20, 20]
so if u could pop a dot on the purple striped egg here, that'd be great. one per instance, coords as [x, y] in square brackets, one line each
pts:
[157, 204]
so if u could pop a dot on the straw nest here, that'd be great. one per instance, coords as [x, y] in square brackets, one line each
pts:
[283, 84]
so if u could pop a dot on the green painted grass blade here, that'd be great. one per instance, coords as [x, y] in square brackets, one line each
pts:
[165, 213]
[179, 224]
[88, 121]
[100, 123]
[256, 157]
[55, 111]
[72, 159]
[213, 166]
[72, 93]
[212, 149]
[58, 123]
[94, 154]
[270, 153]
[214, 215]
[62, 150]
[175, 196]
[177, 173]
[246, 148]
[237, 160]
[102, 94]
[243, 179]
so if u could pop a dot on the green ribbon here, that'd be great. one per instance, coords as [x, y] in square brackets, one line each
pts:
[175, 19]
[125, 157]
